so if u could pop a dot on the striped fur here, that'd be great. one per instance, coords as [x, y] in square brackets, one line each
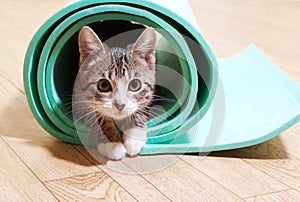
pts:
[121, 108]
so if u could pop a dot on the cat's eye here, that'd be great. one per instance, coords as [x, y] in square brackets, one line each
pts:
[104, 86]
[135, 85]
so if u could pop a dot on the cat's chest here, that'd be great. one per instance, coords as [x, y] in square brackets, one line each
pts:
[124, 124]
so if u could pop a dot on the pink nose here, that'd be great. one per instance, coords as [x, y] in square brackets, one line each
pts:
[120, 107]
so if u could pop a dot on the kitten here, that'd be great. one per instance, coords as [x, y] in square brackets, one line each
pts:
[116, 88]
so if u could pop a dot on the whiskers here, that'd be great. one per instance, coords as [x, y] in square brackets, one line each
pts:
[87, 118]
[144, 114]
[147, 109]
[91, 113]
[156, 98]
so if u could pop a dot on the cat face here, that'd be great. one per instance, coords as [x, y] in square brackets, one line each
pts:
[118, 82]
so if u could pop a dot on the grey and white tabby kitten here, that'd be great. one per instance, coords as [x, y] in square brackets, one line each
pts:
[115, 90]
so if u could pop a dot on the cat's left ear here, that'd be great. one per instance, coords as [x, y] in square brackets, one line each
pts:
[88, 43]
[144, 47]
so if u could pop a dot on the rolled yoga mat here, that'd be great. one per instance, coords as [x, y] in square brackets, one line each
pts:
[213, 104]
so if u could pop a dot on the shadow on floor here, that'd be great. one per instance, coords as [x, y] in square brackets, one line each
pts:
[19, 125]
[17, 120]
[64, 151]
[263, 151]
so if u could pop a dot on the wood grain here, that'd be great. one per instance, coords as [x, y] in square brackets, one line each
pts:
[89, 187]
[33, 162]
[248, 180]
[289, 141]
[16, 118]
[19, 22]
[177, 180]
[230, 26]
[51, 160]
[47, 157]
[182, 182]
[277, 163]
[282, 196]
[17, 182]
[128, 178]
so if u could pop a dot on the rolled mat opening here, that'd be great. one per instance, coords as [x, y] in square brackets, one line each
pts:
[259, 99]
[51, 64]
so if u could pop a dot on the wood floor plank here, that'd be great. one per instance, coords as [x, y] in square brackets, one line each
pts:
[89, 187]
[48, 157]
[182, 182]
[289, 141]
[274, 162]
[16, 118]
[51, 160]
[134, 183]
[235, 175]
[282, 196]
[241, 23]
[17, 182]
[272, 25]
[19, 23]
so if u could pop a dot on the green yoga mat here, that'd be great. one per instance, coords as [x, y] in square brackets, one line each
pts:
[215, 104]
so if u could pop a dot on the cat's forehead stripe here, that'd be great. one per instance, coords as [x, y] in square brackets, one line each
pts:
[137, 74]
[120, 66]
[125, 58]
[112, 57]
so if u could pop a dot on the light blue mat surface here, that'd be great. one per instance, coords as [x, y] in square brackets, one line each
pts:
[260, 102]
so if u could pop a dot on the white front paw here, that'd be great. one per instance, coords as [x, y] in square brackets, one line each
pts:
[134, 140]
[112, 150]
[133, 146]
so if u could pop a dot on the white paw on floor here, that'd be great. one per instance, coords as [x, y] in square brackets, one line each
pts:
[134, 140]
[133, 146]
[113, 151]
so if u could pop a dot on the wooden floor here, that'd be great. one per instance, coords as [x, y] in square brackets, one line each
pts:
[36, 166]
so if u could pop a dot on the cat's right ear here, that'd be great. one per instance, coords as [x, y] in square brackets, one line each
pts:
[144, 47]
[88, 43]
